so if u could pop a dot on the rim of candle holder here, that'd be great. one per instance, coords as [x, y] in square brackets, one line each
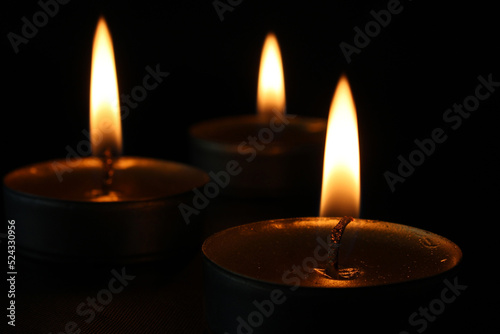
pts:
[227, 133]
[23, 180]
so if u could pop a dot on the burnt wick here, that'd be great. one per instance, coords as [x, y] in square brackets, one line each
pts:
[332, 267]
[108, 172]
[105, 192]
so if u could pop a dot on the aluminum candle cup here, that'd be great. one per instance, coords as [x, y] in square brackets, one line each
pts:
[61, 216]
[265, 277]
[265, 155]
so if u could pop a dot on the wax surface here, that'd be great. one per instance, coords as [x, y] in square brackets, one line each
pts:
[285, 252]
[134, 179]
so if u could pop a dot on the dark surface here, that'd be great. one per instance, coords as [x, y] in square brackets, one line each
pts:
[427, 59]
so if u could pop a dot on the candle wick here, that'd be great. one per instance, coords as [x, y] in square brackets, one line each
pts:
[108, 171]
[332, 268]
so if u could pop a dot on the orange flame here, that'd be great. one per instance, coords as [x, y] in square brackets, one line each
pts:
[105, 124]
[340, 194]
[271, 88]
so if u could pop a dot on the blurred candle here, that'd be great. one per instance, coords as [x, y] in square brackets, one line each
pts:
[280, 155]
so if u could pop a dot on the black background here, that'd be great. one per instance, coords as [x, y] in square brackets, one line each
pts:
[427, 58]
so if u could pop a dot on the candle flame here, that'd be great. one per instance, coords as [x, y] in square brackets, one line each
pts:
[271, 87]
[340, 195]
[105, 124]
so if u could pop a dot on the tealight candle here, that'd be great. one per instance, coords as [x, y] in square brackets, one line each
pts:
[104, 208]
[140, 220]
[300, 275]
[279, 154]
[266, 277]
